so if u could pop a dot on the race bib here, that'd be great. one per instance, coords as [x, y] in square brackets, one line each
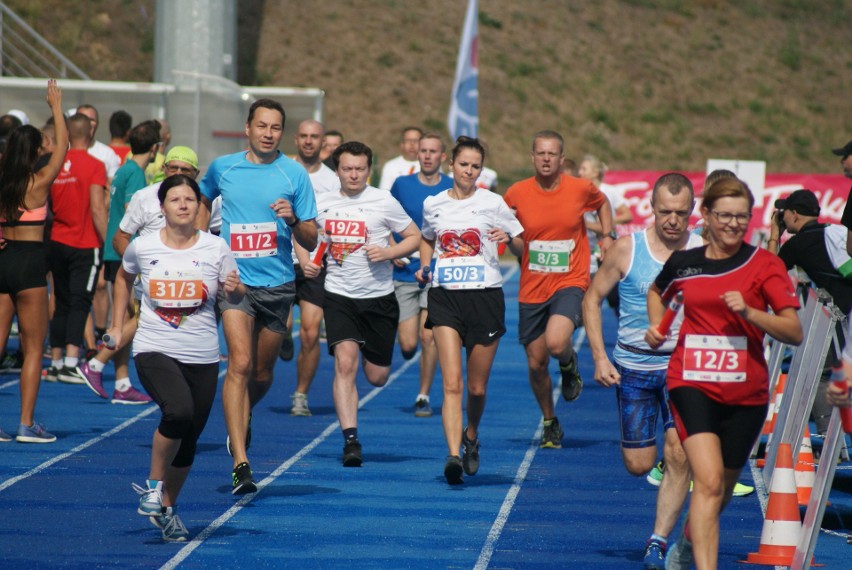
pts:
[175, 288]
[347, 236]
[550, 256]
[460, 272]
[254, 240]
[710, 358]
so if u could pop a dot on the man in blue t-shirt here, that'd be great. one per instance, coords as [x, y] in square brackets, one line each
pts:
[267, 199]
[411, 191]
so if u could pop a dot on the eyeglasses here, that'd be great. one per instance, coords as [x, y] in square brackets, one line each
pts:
[188, 170]
[728, 217]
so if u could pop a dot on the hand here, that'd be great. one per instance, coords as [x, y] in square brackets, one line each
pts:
[735, 302]
[604, 244]
[838, 396]
[114, 335]
[605, 373]
[399, 263]
[54, 95]
[376, 253]
[498, 235]
[653, 337]
[232, 281]
[283, 209]
[311, 270]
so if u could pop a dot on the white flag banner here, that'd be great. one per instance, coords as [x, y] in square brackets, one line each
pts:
[464, 104]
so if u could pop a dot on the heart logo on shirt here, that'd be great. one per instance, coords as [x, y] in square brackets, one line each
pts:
[466, 243]
[175, 316]
[340, 251]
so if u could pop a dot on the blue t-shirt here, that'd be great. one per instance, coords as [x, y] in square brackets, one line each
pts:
[128, 179]
[258, 238]
[410, 192]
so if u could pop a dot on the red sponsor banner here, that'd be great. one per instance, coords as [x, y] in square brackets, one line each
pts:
[635, 185]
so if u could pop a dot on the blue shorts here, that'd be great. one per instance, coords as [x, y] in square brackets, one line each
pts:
[640, 395]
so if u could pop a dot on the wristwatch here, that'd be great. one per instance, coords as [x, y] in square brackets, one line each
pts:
[296, 220]
[612, 235]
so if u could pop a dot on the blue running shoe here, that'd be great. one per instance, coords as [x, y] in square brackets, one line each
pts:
[34, 434]
[150, 498]
[655, 555]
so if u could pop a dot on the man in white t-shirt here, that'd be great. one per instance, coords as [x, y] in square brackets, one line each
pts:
[310, 277]
[361, 311]
[98, 149]
[407, 162]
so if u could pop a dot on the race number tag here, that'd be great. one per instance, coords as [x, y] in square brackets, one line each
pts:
[254, 240]
[550, 256]
[175, 288]
[460, 272]
[710, 358]
[346, 231]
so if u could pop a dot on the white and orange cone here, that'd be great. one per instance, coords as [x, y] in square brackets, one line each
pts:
[805, 475]
[772, 413]
[782, 525]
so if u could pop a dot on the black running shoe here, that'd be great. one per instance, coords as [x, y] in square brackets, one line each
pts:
[243, 481]
[352, 453]
[470, 455]
[551, 436]
[453, 470]
[572, 384]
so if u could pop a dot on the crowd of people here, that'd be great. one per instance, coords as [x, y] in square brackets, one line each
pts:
[414, 261]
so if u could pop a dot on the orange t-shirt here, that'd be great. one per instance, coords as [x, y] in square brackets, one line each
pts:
[556, 249]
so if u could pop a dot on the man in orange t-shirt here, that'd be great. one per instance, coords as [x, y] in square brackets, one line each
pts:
[555, 258]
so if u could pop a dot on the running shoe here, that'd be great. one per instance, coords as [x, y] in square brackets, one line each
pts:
[655, 475]
[4, 437]
[422, 409]
[300, 405]
[453, 470]
[131, 396]
[70, 375]
[11, 363]
[173, 528]
[150, 499]
[34, 434]
[655, 555]
[243, 480]
[572, 384]
[288, 348]
[50, 374]
[470, 454]
[680, 557]
[352, 453]
[248, 439]
[551, 436]
[94, 380]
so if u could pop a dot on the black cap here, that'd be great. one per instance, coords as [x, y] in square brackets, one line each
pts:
[802, 201]
[843, 151]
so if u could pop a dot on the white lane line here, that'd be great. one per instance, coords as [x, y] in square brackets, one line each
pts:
[127, 423]
[520, 476]
[199, 539]
[10, 384]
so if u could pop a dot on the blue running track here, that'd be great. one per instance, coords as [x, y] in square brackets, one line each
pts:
[70, 504]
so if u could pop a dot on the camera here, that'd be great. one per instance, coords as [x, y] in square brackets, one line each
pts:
[779, 219]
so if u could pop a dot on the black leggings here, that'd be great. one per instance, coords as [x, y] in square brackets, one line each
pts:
[185, 394]
[75, 274]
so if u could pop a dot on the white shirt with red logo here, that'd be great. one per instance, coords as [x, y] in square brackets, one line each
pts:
[348, 223]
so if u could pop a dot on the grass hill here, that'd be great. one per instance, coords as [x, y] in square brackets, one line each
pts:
[643, 84]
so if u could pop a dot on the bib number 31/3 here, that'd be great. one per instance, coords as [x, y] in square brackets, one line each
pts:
[709, 358]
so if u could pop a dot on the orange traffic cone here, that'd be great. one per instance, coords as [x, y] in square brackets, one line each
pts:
[804, 471]
[782, 525]
[772, 413]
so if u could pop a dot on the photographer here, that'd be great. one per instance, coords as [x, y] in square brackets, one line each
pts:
[807, 248]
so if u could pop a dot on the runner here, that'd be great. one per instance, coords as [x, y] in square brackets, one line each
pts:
[554, 270]
[176, 347]
[717, 377]
[361, 312]
[266, 199]
[466, 304]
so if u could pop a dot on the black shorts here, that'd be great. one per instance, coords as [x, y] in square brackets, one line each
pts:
[737, 426]
[371, 323]
[23, 265]
[310, 290]
[111, 270]
[478, 315]
[533, 317]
